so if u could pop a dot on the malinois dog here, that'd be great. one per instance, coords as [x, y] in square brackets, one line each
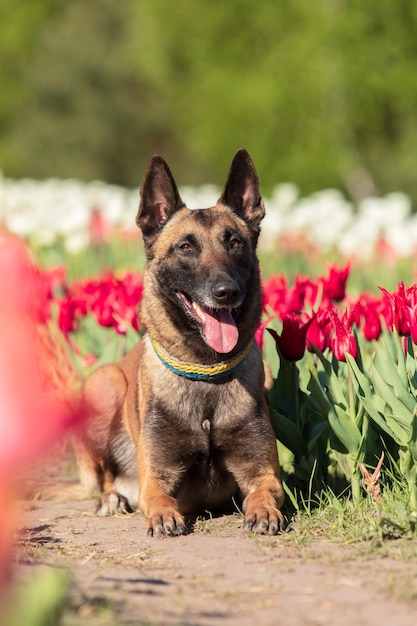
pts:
[181, 424]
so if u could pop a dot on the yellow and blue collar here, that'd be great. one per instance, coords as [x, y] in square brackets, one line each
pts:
[206, 373]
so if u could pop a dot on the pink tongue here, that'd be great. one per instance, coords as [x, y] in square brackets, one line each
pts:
[219, 329]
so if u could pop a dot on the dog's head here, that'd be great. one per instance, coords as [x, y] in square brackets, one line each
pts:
[202, 261]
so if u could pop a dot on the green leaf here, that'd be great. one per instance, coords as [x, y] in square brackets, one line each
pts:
[41, 600]
[335, 388]
[286, 431]
[282, 395]
[345, 429]
[292, 497]
[403, 413]
[317, 432]
[394, 377]
[412, 444]
[400, 357]
[318, 396]
[374, 405]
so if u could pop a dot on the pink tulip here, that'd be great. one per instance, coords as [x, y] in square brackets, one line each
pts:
[35, 390]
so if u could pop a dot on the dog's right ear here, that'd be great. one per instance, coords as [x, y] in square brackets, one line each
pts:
[159, 199]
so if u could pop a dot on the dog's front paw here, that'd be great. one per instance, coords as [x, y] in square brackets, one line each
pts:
[163, 517]
[112, 504]
[169, 522]
[263, 517]
[265, 521]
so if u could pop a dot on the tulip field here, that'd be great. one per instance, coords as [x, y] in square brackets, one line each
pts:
[345, 381]
[342, 354]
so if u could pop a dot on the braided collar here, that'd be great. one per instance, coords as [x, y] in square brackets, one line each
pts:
[193, 371]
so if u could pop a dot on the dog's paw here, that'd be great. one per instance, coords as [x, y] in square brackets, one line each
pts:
[169, 523]
[264, 521]
[112, 504]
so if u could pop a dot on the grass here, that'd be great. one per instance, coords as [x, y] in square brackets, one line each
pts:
[386, 527]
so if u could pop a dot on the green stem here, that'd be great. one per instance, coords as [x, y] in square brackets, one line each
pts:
[351, 397]
[121, 347]
[356, 485]
[411, 477]
[413, 496]
[296, 397]
[413, 347]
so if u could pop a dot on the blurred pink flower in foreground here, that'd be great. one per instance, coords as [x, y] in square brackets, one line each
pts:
[35, 379]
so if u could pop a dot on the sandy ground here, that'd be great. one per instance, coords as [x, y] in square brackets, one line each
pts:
[218, 575]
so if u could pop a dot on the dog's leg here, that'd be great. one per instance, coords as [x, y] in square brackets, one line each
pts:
[257, 474]
[162, 514]
[261, 505]
[103, 401]
[160, 509]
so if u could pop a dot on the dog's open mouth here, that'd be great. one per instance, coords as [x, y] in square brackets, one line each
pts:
[218, 326]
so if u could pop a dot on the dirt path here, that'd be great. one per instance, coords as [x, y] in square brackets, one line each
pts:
[217, 575]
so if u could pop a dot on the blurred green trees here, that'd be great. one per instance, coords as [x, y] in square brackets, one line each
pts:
[322, 93]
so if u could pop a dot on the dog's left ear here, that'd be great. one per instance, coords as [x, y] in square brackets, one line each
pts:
[159, 199]
[242, 192]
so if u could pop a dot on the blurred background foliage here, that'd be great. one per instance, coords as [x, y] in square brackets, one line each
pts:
[321, 93]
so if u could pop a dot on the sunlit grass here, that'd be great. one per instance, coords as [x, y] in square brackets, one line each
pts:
[371, 525]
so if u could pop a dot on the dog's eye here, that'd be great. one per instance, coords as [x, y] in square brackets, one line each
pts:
[235, 243]
[185, 247]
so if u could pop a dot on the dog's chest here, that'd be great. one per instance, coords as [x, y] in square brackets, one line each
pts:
[199, 418]
[189, 420]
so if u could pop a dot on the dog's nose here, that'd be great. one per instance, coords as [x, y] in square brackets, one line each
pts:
[226, 290]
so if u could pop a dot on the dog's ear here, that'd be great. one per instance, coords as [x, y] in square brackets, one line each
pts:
[159, 199]
[242, 192]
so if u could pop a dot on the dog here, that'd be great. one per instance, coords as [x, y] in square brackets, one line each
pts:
[181, 424]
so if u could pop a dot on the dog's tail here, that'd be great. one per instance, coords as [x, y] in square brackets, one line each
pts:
[53, 489]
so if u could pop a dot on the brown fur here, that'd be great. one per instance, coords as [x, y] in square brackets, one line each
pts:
[161, 442]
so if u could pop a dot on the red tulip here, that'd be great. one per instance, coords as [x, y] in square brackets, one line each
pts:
[259, 335]
[286, 300]
[411, 311]
[113, 302]
[342, 340]
[70, 311]
[318, 333]
[400, 315]
[334, 287]
[292, 341]
[274, 293]
[302, 294]
[404, 310]
[366, 314]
